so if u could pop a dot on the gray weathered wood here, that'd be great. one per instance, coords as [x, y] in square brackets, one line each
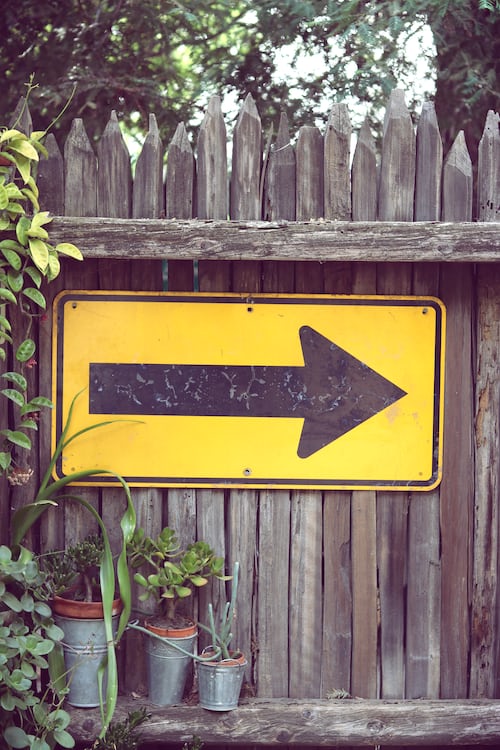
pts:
[488, 178]
[80, 173]
[337, 178]
[147, 192]
[305, 609]
[317, 240]
[337, 723]
[272, 596]
[337, 596]
[310, 188]
[485, 583]
[457, 182]
[211, 183]
[245, 200]
[456, 490]
[364, 176]
[180, 178]
[279, 194]
[364, 594]
[114, 177]
[397, 167]
[429, 166]
[50, 178]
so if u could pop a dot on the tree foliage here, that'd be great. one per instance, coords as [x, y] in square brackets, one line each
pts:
[167, 57]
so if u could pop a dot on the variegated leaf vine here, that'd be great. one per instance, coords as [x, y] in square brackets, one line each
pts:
[27, 260]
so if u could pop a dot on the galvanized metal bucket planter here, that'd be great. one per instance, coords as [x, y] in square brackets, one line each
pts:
[167, 664]
[219, 682]
[84, 647]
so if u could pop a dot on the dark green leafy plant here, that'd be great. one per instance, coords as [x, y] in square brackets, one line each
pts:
[76, 568]
[26, 258]
[175, 572]
[50, 494]
[122, 735]
[29, 650]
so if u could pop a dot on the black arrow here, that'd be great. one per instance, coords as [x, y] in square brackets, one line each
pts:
[333, 392]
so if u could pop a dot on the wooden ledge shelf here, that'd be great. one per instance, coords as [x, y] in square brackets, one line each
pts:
[313, 722]
[320, 240]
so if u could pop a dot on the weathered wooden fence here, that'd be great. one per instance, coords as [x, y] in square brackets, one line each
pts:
[381, 594]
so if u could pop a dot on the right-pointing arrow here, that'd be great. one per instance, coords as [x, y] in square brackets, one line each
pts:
[333, 392]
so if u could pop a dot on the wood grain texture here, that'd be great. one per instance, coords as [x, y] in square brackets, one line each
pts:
[338, 723]
[311, 240]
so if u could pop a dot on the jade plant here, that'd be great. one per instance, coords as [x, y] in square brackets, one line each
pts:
[27, 259]
[29, 653]
[172, 573]
[76, 569]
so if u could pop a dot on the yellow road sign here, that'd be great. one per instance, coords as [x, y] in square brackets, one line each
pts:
[275, 391]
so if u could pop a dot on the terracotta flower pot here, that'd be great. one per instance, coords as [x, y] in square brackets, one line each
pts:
[63, 605]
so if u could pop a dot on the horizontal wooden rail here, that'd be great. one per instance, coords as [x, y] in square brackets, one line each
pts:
[475, 242]
[320, 722]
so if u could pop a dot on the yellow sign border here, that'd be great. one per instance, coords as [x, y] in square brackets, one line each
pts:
[63, 393]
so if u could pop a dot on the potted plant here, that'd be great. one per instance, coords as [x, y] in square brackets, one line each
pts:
[112, 578]
[221, 669]
[171, 575]
[78, 610]
[30, 716]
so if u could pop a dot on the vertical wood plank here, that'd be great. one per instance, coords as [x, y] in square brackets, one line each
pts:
[50, 178]
[147, 191]
[397, 168]
[488, 179]
[211, 184]
[180, 179]
[337, 150]
[364, 176]
[457, 486]
[80, 173]
[365, 615]
[364, 594]
[485, 588]
[305, 607]
[457, 182]
[114, 177]
[429, 166]
[392, 522]
[246, 163]
[279, 193]
[423, 631]
[272, 643]
[310, 187]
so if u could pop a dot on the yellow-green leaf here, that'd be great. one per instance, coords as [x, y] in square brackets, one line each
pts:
[39, 253]
[8, 134]
[24, 147]
[4, 198]
[22, 228]
[66, 248]
[54, 266]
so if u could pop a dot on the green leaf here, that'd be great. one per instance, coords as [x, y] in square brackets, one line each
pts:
[25, 350]
[16, 737]
[54, 266]
[6, 294]
[38, 402]
[35, 275]
[12, 258]
[13, 395]
[16, 378]
[5, 460]
[4, 198]
[66, 248]
[22, 227]
[64, 738]
[35, 296]
[39, 253]
[23, 146]
[18, 438]
[5, 324]
[15, 280]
